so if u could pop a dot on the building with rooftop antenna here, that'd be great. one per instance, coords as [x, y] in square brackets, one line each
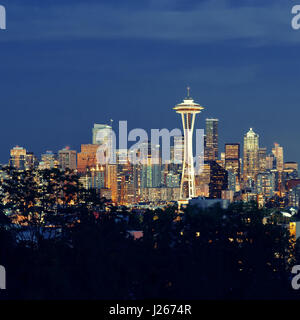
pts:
[188, 110]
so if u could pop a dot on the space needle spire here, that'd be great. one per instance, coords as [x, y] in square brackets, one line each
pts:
[188, 110]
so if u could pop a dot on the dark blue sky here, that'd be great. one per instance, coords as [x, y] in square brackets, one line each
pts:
[65, 65]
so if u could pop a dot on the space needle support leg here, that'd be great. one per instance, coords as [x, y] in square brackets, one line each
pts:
[184, 157]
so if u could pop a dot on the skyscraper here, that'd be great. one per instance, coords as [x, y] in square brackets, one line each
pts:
[67, 158]
[188, 110]
[48, 160]
[100, 132]
[104, 137]
[262, 159]
[218, 180]
[251, 163]
[171, 170]
[94, 178]
[87, 158]
[279, 164]
[270, 162]
[112, 180]
[150, 165]
[178, 150]
[266, 184]
[232, 158]
[31, 160]
[18, 157]
[278, 153]
[126, 191]
[211, 140]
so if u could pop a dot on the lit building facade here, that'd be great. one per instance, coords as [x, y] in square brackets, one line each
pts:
[290, 166]
[251, 163]
[278, 154]
[232, 158]
[67, 158]
[126, 191]
[101, 133]
[266, 184]
[18, 158]
[262, 159]
[48, 160]
[211, 151]
[270, 162]
[112, 181]
[218, 180]
[87, 158]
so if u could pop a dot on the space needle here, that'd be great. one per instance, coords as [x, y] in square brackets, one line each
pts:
[188, 110]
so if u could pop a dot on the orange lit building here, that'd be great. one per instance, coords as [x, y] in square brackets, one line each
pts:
[87, 158]
[232, 158]
[112, 181]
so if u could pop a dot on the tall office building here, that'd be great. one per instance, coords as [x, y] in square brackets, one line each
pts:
[270, 162]
[171, 170]
[104, 137]
[266, 184]
[48, 160]
[290, 171]
[178, 150]
[126, 191]
[100, 133]
[87, 158]
[211, 151]
[279, 165]
[278, 153]
[251, 163]
[67, 158]
[112, 181]
[262, 159]
[31, 161]
[218, 180]
[150, 165]
[18, 158]
[94, 178]
[232, 158]
[294, 196]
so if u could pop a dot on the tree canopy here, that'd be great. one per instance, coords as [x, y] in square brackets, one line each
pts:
[80, 246]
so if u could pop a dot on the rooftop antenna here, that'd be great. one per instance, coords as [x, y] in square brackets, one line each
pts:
[111, 122]
[188, 91]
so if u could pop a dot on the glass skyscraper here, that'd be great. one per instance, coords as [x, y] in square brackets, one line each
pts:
[211, 140]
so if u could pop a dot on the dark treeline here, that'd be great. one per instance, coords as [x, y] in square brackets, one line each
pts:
[83, 247]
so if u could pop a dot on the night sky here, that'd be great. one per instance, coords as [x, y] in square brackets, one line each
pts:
[65, 65]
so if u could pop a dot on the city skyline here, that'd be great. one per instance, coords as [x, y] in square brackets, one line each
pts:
[149, 152]
[254, 174]
[221, 144]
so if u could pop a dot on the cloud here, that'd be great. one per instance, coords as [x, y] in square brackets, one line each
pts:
[164, 20]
